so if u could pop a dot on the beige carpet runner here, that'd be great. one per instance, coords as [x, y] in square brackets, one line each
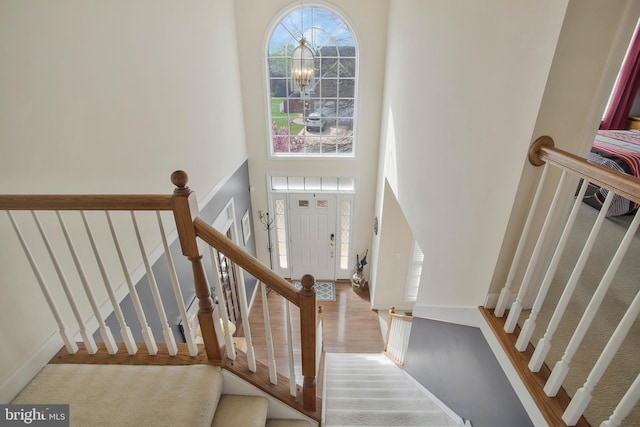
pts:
[370, 390]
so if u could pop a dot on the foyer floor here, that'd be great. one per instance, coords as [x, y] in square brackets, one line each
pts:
[350, 326]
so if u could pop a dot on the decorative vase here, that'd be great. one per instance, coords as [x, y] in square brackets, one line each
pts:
[357, 280]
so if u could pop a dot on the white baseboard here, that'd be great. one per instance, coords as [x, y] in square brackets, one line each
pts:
[25, 373]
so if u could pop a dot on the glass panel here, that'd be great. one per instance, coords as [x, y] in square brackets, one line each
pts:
[345, 221]
[344, 235]
[296, 183]
[347, 184]
[312, 183]
[281, 235]
[278, 183]
[280, 221]
[346, 207]
[303, 203]
[322, 204]
[283, 261]
[280, 206]
[329, 184]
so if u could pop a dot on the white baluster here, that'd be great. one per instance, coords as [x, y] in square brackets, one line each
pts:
[167, 333]
[516, 307]
[230, 346]
[544, 344]
[530, 324]
[68, 340]
[561, 368]
[244, 310]
[505, 293]
[147, 334]
[292, 370]
[105, 332]
[127, 337]
[87, 338]
[273, 374]
[191, 343]
[626, 404]
[583, 396]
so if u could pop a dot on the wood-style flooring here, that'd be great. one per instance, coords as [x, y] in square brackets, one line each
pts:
[349, 325]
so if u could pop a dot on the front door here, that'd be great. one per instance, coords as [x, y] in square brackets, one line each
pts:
[312, 227]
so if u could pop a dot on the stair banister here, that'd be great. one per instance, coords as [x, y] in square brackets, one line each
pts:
[543, 151]
[190, 226]
[308, 340]
[185, 210]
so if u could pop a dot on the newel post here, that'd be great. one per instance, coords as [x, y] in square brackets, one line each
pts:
[308, 340]
[185, 210]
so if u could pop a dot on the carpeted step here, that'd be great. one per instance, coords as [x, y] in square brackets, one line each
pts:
[119, 395]
[286, 423]
[380, 393]
[351, 417]
[236, 410]
[388, 403]
[371, 390]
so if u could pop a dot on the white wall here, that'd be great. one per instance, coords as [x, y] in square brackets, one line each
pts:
[393, 255]
[368, 21]
[107, 97]
[463, 84]
[591, 46]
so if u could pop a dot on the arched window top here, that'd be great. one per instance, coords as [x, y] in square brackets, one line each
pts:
[318, 121]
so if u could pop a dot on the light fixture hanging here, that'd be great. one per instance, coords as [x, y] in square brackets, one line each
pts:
[302, 61]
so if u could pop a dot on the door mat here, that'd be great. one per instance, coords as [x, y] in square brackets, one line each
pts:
[325, 290]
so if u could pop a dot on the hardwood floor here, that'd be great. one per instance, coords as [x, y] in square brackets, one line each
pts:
[349, 324]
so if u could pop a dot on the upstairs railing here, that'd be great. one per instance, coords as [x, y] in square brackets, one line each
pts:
[398, 332]
[534, 370]
[101, 216]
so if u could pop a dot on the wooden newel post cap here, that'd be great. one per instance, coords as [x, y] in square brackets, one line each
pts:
[308, 283]
[180, 180]
[535, 149]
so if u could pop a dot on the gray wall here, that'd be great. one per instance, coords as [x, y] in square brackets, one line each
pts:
[456, 364]
[237, 187]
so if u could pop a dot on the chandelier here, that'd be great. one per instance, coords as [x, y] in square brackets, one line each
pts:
[302, 61]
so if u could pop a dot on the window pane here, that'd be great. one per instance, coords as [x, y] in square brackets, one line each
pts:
[293, 132]
[329, 184]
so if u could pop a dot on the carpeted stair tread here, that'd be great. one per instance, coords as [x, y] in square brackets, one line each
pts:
[236, 410]
[385, 418]
[370, 390]
[271, 422]
[391, 404]
[84, 388]
[346, 392]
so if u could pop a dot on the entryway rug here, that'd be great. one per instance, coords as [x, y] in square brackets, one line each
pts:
[325, 289]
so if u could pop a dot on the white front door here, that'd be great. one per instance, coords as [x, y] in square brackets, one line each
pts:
[312, 228]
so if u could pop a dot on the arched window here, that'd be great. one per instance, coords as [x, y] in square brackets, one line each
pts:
[318, 121]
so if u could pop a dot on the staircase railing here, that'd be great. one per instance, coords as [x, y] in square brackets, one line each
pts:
[543, 383]
[102, 227]
[398, 332]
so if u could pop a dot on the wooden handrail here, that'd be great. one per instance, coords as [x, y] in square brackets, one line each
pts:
[190, 226]
[248, 263]
[543, 151]
[86, 202]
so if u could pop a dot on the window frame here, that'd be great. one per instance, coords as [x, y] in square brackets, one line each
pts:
[271, 152]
